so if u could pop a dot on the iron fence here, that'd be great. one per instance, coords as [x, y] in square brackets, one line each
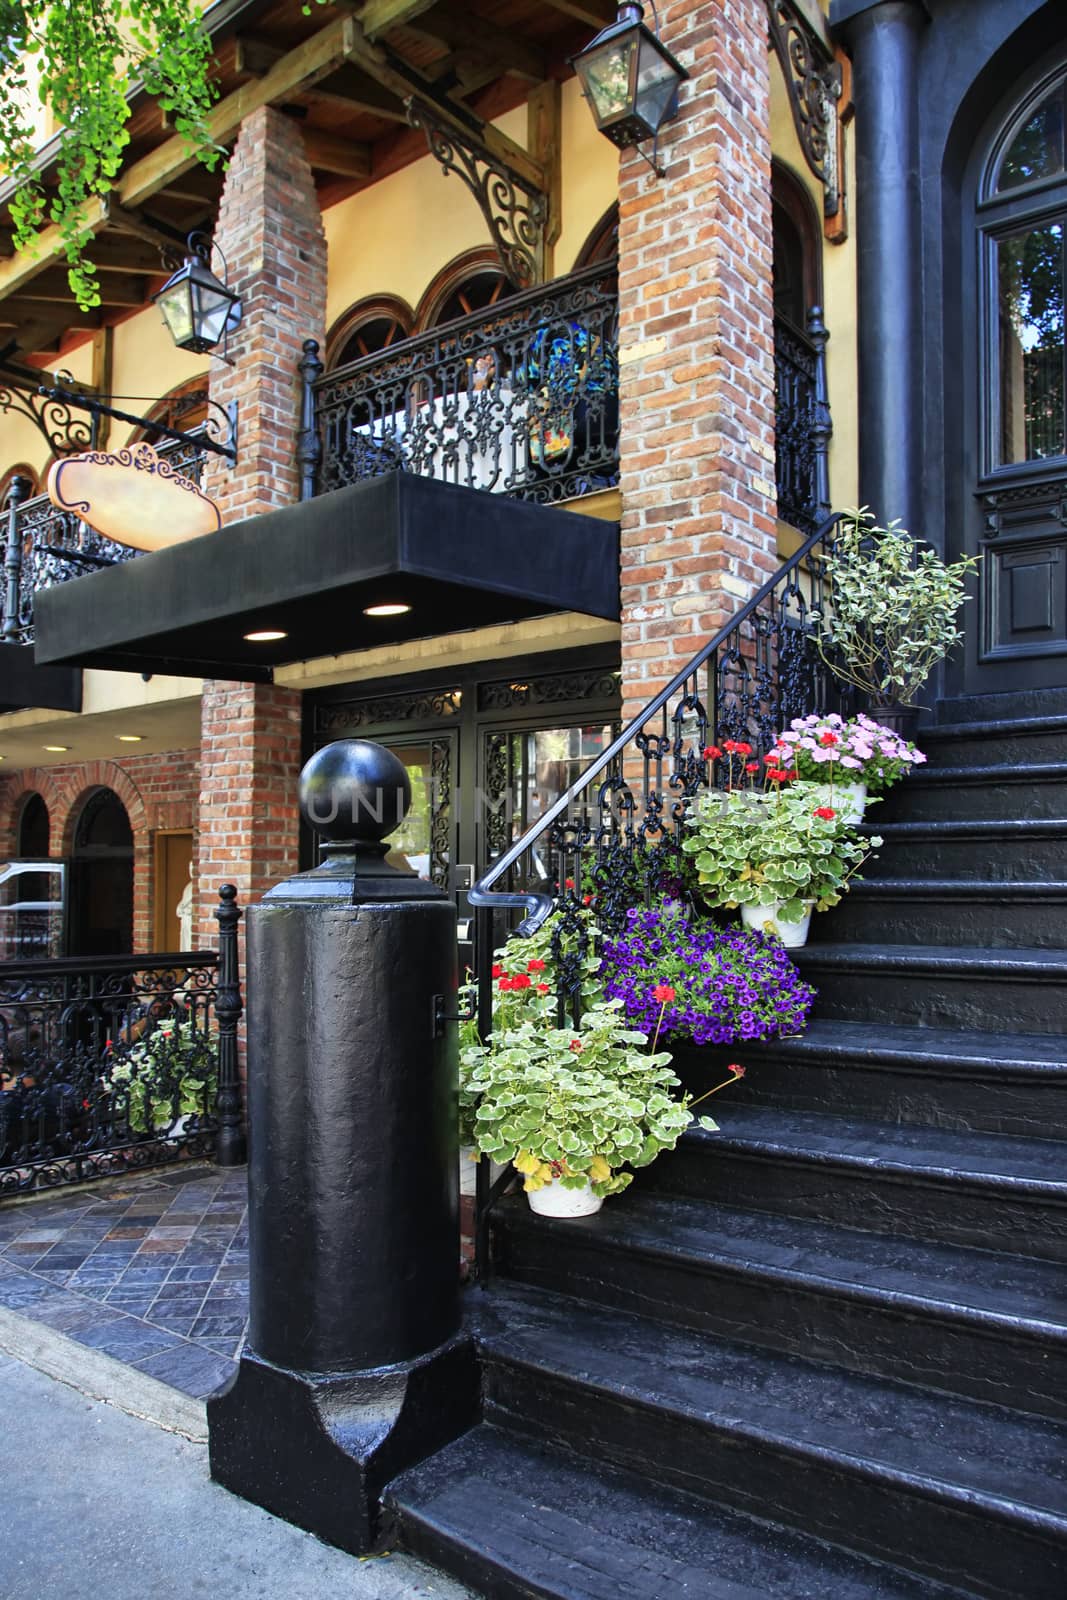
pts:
[119, 1063]
[519, 400]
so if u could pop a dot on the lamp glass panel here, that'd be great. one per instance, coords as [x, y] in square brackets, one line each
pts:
[657, 83]
[211, 307]
[177, 311]
[608, 74]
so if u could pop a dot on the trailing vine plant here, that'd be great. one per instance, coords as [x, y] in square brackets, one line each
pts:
[80, 59]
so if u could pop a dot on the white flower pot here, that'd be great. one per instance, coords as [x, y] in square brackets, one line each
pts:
[765, 919]
[847, 799]
[556, 1201]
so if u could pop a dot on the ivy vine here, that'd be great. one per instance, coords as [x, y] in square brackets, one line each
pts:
[80, 59]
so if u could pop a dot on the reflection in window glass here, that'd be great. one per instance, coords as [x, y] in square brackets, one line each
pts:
[1030, 274]
[410, 845]
[544, 764]
[1038, 150]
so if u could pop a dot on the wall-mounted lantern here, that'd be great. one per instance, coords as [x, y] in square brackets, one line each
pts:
[197, 308]
[630, 80]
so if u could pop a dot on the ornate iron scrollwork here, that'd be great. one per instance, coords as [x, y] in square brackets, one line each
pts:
[813, 82]
[63, 429]
[515, 212]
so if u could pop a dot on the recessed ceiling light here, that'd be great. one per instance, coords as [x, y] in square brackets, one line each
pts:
[391, 609]
[130, 738]
[266, 636]
[57, 748]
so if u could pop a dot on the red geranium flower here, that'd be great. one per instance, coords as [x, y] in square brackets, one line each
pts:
[712, 752]
[587, 899]
[827, 813]
[576, 1046]
[773, 760]
[505, 983]
[543, 988]
[738, 1071]
[742, 748]
[568, 883]
[521, 981]
[663, 993]
[751, 766]
[731, 746]
[826, 737]
[498, 971]
[534, 965]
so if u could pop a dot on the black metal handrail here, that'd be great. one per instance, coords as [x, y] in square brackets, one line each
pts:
[760, 670]
[118, 1063]
[520, 399]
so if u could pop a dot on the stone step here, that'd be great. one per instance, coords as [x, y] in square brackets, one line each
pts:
[967, 1493]
[516, 1518]
[1029, 851]
[938, 986]
[971, 1322]
[983, 742]
[999, 1083]
[992, 1191]
[982, 793]
[949, 911]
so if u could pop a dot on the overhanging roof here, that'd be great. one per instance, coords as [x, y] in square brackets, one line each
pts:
[25, 684]
[461, 558]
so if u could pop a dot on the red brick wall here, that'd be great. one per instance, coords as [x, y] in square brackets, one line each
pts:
[696, 350]
[270, 229]
[158, 791]
[250, 762]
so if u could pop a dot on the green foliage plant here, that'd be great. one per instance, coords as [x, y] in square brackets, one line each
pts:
[894, 607]
[760, 849]
[81, 59]
[172, 1072]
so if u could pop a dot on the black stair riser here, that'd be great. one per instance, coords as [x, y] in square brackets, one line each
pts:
[475, 1568]
[872, 1333]
[926, 800]
[948, 999]
[888, 1091]
[1012, 857]
[906, 1203]
[870, 1512]
[1017, 748]
[991, 922]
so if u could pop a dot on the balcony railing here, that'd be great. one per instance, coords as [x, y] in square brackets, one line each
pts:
[46, 546]
[802, 422]
[520, 400]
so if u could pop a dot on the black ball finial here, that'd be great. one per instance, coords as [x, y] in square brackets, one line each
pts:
[354, 791]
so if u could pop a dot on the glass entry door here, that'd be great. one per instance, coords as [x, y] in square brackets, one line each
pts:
[425, 841]
[526, 771]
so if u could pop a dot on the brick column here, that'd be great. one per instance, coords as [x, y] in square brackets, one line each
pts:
[697, 350]
[270, 229]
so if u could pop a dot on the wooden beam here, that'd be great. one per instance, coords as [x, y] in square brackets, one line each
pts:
[455, 26]
[24, 266]
[52, 287]
[378, 16]
[254, 58]
[544, 138]
[171, 241]
[316, 58]
[597, 13]
[405, 82]
[100, 379]
[328, 153]
[351, 89]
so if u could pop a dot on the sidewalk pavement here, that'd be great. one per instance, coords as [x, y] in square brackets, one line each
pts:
[100, 1501]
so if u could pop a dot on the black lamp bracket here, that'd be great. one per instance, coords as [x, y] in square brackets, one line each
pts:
[813, 81]
[515, 212]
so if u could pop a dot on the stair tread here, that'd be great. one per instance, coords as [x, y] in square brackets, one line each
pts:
[565, 1527]
[915, 1046]
[948, 731]
[960, 1448]
[1023, 1295]
[995, 772]
[966, 888]
[970, 828]
[1036, 1164]
[1016, 961]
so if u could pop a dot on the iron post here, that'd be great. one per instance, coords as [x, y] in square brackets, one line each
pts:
[230, 1146]
[18, 492]
[309, 445]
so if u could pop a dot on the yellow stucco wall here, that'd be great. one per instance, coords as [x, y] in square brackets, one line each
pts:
[839, 296]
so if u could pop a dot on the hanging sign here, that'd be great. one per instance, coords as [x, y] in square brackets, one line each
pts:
[132, 496]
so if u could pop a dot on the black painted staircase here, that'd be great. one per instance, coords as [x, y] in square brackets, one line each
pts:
[823, 1353]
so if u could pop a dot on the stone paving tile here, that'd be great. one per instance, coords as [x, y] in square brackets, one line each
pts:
[153, 1270]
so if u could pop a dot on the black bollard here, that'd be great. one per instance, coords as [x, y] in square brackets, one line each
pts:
[354, 1366]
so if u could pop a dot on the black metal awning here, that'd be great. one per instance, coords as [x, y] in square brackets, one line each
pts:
[24, 683]
[460, 558]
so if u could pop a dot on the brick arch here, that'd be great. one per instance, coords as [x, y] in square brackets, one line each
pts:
[106, 775]
[13, 796]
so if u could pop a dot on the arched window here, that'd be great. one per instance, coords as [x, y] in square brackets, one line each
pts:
[34, 828]
[797, 237]
[8, 478]
[474, 281]
[603, 243]
[101, 885]
[367, 328]
[1022, 222]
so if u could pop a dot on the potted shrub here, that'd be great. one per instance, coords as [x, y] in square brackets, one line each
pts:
[774, 855]
[843, 764]
[169, 1075]
[892, 612]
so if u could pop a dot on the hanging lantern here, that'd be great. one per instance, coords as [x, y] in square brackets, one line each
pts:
[630, 80]
[196, 307]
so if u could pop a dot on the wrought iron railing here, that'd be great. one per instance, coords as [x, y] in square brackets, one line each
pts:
[519, 400]
[802, 422]
[613, 837]
[118, 1063]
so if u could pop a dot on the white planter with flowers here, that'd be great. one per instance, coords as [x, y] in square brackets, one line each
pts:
[833, 759]
[792, 931]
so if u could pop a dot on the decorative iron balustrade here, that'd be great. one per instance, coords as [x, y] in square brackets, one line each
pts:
[521, 400]
[118, 1063]
[802, 424]
[613, 839]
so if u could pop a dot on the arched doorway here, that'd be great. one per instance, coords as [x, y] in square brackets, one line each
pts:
[34, 829]
[101, 879]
